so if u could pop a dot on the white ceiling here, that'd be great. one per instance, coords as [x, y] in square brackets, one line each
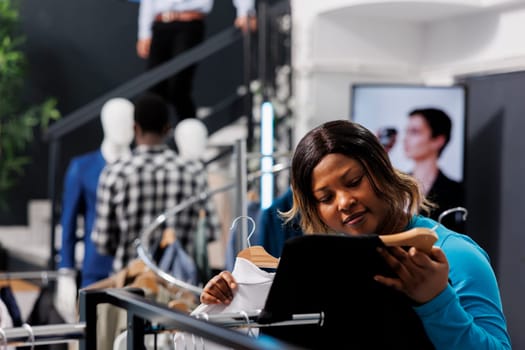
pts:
[416, 11]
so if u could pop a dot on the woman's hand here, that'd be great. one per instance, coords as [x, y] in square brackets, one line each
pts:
[219, 290]
[420, 276]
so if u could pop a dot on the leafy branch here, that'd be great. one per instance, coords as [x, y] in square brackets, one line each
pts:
[17, 123]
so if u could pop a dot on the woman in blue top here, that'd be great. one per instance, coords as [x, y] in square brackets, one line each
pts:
[343, 181]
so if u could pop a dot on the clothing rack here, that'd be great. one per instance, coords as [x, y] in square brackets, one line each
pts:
[30, 275]
[41, 335]
[250, 319]
[141, 242]
[143, 313]
[212, 327]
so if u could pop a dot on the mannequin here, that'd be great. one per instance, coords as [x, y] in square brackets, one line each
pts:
[79, 198]
[191, 138]
[116, 117]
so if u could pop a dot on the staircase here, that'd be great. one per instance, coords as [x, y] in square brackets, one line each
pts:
[28, 247]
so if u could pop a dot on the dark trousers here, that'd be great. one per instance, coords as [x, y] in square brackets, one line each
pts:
[168, 41]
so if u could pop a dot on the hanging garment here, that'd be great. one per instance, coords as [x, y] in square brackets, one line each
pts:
[334, 275]
[45, 313]
[178, 263]
[7, 296]
[4, 257]
[232, 248]
[5, 318]
[272, 230]
[112, 320]
[253, 285]
[200, 253]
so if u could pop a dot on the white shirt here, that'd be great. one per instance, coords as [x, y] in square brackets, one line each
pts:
[150, 8]
[253, 285]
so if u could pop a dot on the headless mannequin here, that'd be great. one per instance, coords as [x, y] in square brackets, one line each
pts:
[191, 138]
[79, 198]
[117, 123]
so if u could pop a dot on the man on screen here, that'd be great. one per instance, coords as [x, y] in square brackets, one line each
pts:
[427, 134]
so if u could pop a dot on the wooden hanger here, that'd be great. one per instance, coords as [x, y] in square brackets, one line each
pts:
[146, 280]
[118, 280]
[256, 254]
[259, 257]
[420, 237]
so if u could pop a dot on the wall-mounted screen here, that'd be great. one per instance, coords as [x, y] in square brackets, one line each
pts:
[423, 129]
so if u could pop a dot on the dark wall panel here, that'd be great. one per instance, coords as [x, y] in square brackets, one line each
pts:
[495, 180]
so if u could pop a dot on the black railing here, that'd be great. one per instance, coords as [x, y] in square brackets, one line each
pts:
[140, 310]
[143, 82]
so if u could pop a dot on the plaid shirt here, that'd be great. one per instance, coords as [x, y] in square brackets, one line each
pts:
[133, 191]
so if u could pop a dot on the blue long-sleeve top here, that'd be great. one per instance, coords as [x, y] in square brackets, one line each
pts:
[79, 198]
[468, 314]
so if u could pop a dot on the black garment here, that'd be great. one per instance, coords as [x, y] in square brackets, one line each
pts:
[169, 40]
[447, 194]
[4, 258]
[334, 275]
[45, 313]
[7, 296]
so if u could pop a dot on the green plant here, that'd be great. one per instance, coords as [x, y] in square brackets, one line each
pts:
[17, 122]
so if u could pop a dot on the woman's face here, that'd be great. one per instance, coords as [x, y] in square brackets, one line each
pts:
[345, 199]
[418, 141]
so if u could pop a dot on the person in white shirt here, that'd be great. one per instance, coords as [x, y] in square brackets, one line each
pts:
[167, 28]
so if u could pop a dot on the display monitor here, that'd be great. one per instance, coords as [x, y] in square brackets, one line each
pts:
[388, 111]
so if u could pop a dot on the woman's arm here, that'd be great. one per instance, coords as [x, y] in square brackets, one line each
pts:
[457, 293]
[468, 313]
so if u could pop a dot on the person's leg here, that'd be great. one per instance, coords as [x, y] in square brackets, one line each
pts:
[181, 85]
[162, 44]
